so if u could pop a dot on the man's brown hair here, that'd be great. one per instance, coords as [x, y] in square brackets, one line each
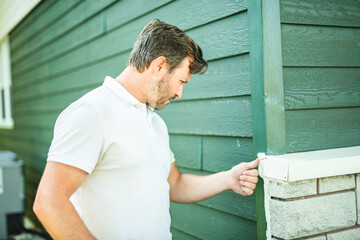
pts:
[162, 39]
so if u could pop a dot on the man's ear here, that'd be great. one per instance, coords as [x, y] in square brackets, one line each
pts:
[159, 66]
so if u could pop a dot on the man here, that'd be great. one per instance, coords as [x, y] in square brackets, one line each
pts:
[110, 173]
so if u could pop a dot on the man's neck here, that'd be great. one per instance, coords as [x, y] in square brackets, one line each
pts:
[134, 82]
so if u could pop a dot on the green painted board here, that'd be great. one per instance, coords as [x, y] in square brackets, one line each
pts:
[226, 37]
[224, 78]
[321, 12]
[180, 235]
[223, 40]
[233, 203]
[75, 35]
[47, 18]
[72, 16]
[307, 87]
[320, 46]
[222, 153]
[85, 32]
[36, 120]
[119, 14]
[36, 136]
[91, 52]
[26, 145]
[315, 129]
[224, 117]
[228, 201]
[205, 223]
[187, 150]
[86, 77]
[32, 17]
[54, 102]
[210, 117]
[200, 12]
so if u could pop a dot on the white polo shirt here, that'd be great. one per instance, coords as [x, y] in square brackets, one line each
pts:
[124, 146]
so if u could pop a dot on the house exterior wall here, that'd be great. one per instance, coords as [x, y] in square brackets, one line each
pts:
[64, 49]
[321, 69]
[319, 101]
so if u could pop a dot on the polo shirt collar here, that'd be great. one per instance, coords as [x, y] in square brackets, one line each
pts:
[119, 90]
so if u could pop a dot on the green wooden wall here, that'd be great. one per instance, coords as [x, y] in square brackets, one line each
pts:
[321, 73]
[64, 49]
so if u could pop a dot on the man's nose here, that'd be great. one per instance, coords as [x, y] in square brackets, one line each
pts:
[178, 94]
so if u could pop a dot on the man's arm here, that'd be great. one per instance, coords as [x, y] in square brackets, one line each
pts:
[52, 205]
[187, 188]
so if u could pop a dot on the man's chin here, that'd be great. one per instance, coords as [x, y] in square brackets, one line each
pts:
[161, 106]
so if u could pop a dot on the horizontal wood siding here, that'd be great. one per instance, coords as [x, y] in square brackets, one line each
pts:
[321, 69]
[64, 49]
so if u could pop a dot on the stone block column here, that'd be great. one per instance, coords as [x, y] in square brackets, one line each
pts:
[305, 201]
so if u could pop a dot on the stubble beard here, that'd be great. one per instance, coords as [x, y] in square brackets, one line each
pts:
[159, 91]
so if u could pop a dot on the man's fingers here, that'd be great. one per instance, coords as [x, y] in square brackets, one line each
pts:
[252, 172]
[247, 191]
[249, 179]
[248, 185]
[253, 164]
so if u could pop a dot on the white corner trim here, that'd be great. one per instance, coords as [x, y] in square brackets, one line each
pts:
[12, 12]
[309, 165]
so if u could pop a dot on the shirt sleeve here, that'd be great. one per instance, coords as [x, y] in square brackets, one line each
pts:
[78, 137]
[172, 157]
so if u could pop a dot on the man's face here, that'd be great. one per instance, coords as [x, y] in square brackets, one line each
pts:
[170, 86]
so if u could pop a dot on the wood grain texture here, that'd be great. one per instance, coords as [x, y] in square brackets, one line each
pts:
[36, 120]
[228, 201]
[25, 146]
[321, 12]
[273, 78]
[259, 144]
[85, 32]
[187, 150]
[180, 235]
[320, 46]
[36, 136]
[226, 37]
[73, 32]
[90, 75]
[71, 16]
[51, 103]
[224, 117]
[224, 78]
[205, 223]
[222, 153]
[222, 44]
[192, 12]
[42, 21]
[321, 87]
[119, 14]
[32, 18]
[308, 130]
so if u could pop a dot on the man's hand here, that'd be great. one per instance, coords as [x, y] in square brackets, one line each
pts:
[242, 178]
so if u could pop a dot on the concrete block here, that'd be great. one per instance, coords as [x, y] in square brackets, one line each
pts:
[310, 216]
[283, 189]
[358, 197]
[337, 183]
[353, 234]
